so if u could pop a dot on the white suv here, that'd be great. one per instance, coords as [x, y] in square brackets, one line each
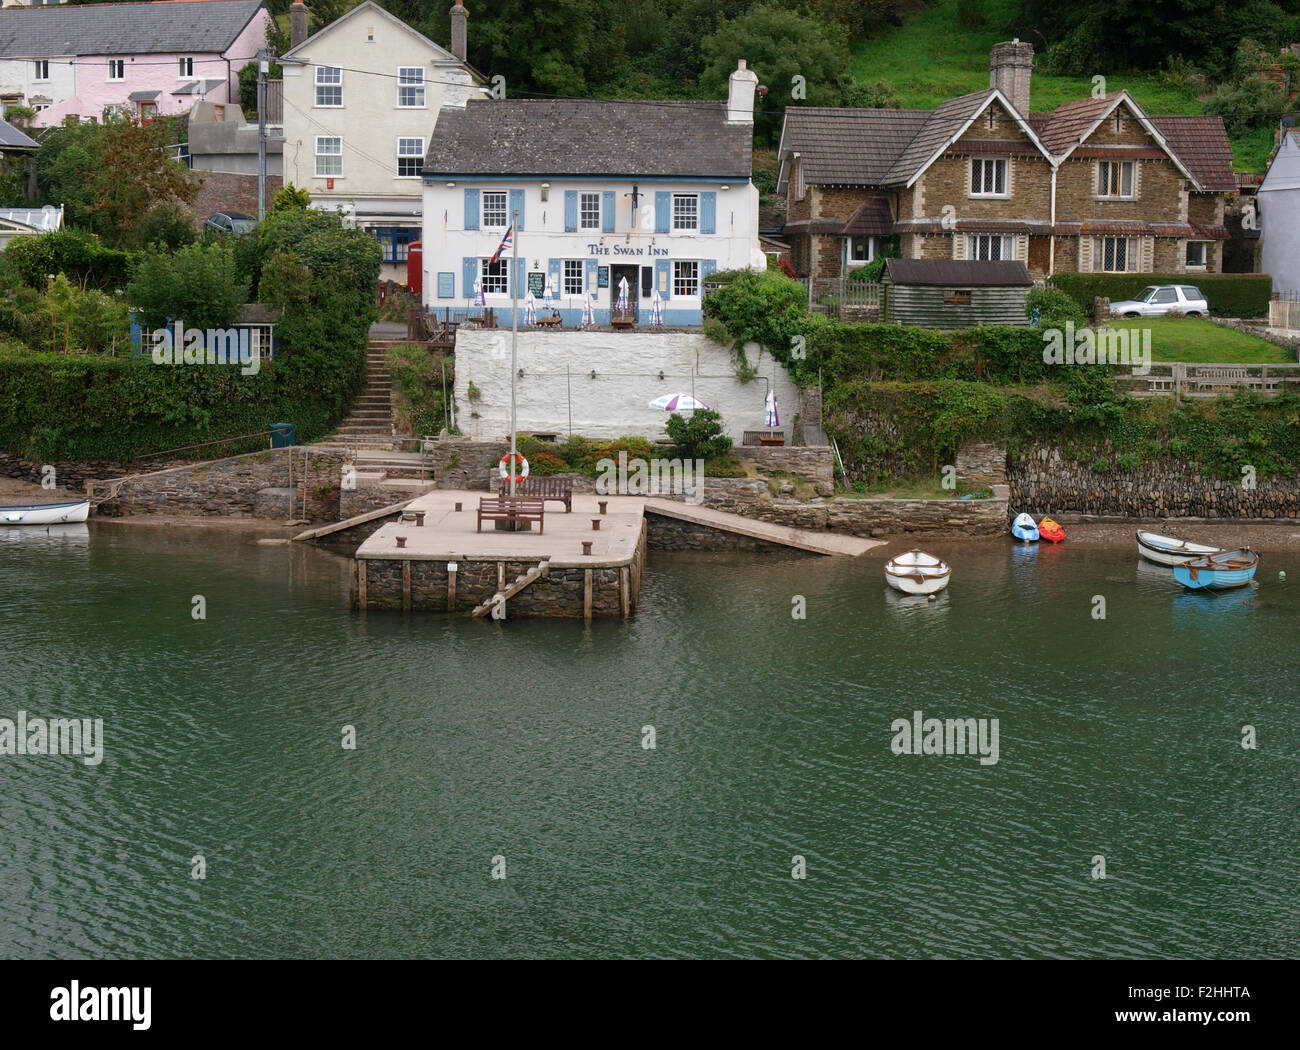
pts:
[1158, 299]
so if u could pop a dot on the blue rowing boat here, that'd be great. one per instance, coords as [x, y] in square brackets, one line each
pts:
[1218, 571]
[1025, 528]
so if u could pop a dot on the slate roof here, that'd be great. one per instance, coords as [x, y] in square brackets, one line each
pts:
[849, 147]
[534, 137]
[872, 217]
[185, 26]
[11, 138]
[957, 273]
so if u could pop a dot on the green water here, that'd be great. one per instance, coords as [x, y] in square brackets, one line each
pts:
[523, 740]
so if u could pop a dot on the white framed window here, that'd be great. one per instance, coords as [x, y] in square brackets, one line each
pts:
[1196, 255]
[329, 156]
[572, 277]
[117, 69]
[495, 276]
[42, 69]
[589, 211]
[988, 177]
[994, 247]
[410, 157]
[410, 87]
[329, 86]
[184, 67]
[1115, 255]
[686, 212]
[861, 250]
[494, 210]
[686, 278]
[1115, 178]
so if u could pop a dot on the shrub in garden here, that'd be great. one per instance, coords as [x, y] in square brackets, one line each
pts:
[699, 435]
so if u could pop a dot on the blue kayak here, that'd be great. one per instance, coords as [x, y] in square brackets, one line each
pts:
[1216, 571]
[1024, 528]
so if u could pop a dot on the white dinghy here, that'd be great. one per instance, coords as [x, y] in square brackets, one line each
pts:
[917, 573]
[1167, 550]
[45, 513]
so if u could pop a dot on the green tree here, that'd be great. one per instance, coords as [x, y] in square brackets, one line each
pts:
[699, 435]
[198, 285]
[168, 224]
[290, 198]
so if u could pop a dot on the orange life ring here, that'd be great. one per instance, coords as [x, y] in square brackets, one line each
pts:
[504, 467]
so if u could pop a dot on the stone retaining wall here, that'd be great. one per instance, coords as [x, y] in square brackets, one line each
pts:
[673, 534]
[979, 463]
[1043, 483]
[811, 463]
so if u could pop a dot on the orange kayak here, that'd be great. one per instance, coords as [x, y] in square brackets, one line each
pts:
[1051, 531]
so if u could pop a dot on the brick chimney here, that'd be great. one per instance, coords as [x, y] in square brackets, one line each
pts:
[297, 23]
[740, 95]
[459, 30]
[1010, 65]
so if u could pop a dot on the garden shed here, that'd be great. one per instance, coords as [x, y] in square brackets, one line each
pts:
[955, 293]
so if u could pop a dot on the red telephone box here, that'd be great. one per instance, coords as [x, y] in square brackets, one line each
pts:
[415, 267]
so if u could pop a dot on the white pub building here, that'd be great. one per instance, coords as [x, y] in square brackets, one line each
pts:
[654, 193]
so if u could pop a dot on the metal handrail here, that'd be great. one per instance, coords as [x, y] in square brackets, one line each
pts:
[135, 463]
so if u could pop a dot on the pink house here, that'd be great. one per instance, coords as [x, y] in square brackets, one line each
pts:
[146, 59]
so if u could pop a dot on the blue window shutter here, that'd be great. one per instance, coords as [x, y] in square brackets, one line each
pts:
[592, 276]
[664, 278]
[663, 205]
[555, 270]
[516, 205]
[471, 209]
[570, 210]
[520, 265]
[606, 211]
[469, 274]
[708, 266]
[708, 213]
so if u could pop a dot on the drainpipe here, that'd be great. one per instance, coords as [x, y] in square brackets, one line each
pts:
[1051, 241]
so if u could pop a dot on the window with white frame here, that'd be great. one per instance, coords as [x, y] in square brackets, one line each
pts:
[42, 70]
[329, 156]
[410, 87]
[686, 212]
[686, 278]
[185, 67]
[494, 210]
[589, 211]
[410, 157]
[993, 247]
[117, 69]
[495, 276]
[1196, 255]
[988, 177]
[861, 250]
[1115, 178]
[572, 277]
[329, 85]
[1115, 255]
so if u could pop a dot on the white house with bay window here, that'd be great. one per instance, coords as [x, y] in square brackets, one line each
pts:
[657, 194]
[360, 101]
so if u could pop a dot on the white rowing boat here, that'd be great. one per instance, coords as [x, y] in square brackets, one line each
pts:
[917, 573]
[45, 513]
[1166, 550]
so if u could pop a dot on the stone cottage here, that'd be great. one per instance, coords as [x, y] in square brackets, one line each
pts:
[1096, 185]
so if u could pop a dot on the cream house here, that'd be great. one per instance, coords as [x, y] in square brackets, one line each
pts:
[361, 98]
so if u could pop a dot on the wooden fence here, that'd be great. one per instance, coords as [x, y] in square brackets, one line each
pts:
[840, 297]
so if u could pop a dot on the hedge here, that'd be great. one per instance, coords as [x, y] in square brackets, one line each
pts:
[1229, 294]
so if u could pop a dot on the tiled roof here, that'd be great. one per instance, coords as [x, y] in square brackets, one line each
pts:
[872, 217]
[1202, 145]
[941, 125]
[957, 273]
[186, 26]
[589, 137]
[1061, 129]
[849, 147]
[1138, 228]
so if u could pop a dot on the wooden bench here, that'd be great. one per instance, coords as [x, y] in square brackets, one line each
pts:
[508, 509]
[552, 320]
[541, 489]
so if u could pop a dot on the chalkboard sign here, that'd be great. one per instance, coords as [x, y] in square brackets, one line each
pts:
[537, 284]
[602, 277]
[446, 286]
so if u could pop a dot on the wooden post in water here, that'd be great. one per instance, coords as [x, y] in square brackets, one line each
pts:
[361, 583]
[406, 584]
[451, 586]
[586, 595]
[625, 590]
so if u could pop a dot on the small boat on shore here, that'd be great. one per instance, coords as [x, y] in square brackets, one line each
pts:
[917, 573]
[1024, 529]
[45, 513]
[1218, 571]
[1167, 550]
[1051, 531]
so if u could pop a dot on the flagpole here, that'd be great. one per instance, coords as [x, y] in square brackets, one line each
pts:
[514, 345]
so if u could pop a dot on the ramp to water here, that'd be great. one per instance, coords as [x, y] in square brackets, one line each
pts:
[828, 543]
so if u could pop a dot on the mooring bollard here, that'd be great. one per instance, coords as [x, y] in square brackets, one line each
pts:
[457, 508]
[419, 519]
[401, 541]
[603, 504]
[595, 524]
[586, 546]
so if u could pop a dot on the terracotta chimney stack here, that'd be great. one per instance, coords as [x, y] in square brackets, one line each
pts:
[459, 30]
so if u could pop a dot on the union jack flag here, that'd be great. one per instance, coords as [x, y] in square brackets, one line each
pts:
[504, 246]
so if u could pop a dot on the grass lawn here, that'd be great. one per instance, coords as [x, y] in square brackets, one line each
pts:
[1194, 339]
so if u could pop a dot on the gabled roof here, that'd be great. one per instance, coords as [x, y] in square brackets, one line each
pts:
[957, 273]
[184, 26]
[1202, 143]
[535, 137]
[371, 9]
[1284, 169]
